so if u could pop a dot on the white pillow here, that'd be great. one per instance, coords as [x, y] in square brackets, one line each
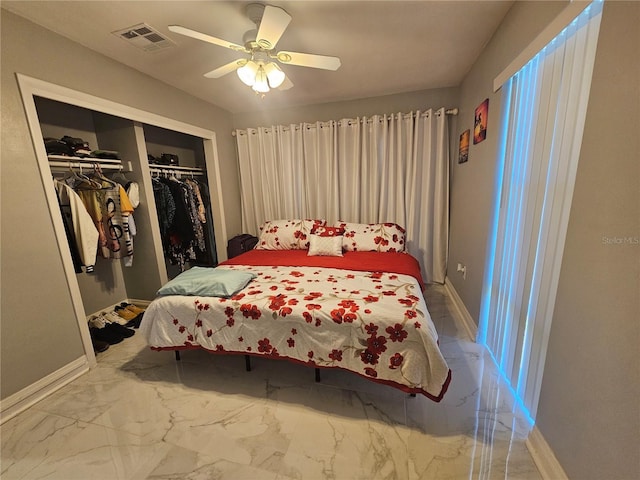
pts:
[373, 237]
[325, 246]
[286, 234]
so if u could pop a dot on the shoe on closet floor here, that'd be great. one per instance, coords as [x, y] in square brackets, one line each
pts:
[121, 330]
[98, 322]
[134, 308]
[105, 335]
[135, 323]
[127, 314]
[99, 346]
[113, 317]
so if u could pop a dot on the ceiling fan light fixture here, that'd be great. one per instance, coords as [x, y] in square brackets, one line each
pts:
[260, 69]
[261, 84]
[248, 73]
[274, 74]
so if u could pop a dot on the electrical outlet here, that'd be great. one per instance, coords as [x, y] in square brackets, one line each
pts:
[462, 269]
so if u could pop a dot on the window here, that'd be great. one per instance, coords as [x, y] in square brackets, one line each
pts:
[544, 110]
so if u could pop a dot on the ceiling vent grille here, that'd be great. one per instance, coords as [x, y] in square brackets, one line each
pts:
[144, 37]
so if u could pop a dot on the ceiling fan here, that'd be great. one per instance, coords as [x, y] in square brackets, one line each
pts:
[260, 69]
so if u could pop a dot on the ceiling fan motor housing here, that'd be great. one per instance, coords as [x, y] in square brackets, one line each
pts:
[255, 11]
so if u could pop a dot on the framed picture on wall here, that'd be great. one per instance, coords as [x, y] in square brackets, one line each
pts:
[480, 122]
[463, 152]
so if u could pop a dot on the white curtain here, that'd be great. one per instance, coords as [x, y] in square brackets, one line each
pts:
[387, 168]
[544, 114]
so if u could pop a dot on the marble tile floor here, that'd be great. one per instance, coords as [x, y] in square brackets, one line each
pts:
[141, 415]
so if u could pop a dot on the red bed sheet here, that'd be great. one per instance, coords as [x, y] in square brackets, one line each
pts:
[393, 262]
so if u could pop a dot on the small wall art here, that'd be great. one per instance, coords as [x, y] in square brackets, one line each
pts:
[463, 152]
[480, 122]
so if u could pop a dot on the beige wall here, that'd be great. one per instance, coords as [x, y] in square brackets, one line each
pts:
[589, 409]
[39, 330]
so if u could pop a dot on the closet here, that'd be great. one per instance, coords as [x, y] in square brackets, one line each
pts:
[188, 151]
[54, 111]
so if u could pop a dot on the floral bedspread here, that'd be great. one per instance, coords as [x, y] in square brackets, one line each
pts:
[371, 323]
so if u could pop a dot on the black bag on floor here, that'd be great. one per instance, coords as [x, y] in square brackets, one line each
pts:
[240, 244]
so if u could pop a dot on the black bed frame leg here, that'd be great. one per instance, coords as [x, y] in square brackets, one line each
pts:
[318, 375]
[177, 355]
[247, 363]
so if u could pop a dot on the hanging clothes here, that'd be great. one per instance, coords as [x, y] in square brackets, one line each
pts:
[80, 227]
[116, 207]
[200, 204]
[89, 193]
[165, 207]
[179, 245]
[209, 257]
[182, 216]
[128, 191]
[132, 190]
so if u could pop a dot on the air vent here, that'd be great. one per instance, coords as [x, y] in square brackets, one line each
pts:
[144, 37]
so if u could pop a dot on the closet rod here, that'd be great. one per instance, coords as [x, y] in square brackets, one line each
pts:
[87, 160]
[162, 168]
[178, 170]
[87, 165]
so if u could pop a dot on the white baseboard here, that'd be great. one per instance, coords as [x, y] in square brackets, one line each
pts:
[544, 458]
[139, 302]
[25, 398]
[134, 301]
[461, 311]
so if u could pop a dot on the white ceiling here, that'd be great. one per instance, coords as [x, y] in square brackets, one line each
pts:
[386, 47]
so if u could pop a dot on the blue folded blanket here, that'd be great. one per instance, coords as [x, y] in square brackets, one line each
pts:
[207, 282]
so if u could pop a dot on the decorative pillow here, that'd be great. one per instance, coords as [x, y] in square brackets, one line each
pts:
[373, 237]
[325, 231]
[207, 282]
[325, 246]
[286, 234]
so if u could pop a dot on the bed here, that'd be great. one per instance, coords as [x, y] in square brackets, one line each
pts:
[362, 311]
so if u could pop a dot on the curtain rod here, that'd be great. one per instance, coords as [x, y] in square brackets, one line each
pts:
[450, 111]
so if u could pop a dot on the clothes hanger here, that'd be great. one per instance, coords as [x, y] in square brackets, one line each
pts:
[82, 181]
[97, 173]
[120, 175]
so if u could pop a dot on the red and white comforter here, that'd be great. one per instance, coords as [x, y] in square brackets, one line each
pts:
[373, 323]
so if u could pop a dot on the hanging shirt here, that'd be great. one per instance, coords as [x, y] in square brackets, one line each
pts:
[133, 195]
[200, 204]
[128, 262]
[85, 233]
[89, 193]
[115, 206]
[133, 192]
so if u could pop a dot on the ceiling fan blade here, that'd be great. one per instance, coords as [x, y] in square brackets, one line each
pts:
[224, 69]
[206, 38]
[286, 84]
[309, 60]
[273, 24]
